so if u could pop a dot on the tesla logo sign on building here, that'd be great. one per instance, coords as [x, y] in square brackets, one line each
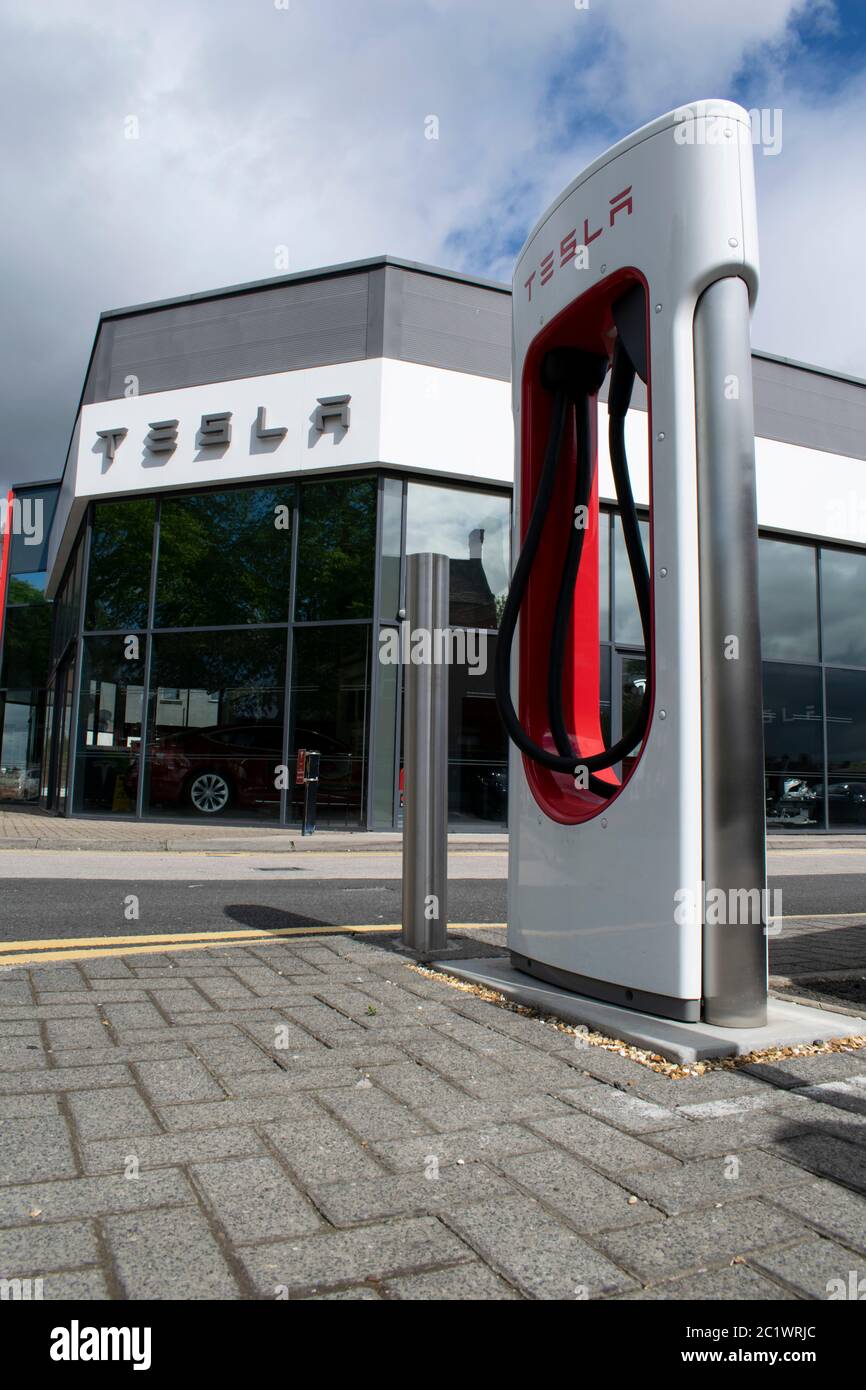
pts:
[569, 246]
[215, 428]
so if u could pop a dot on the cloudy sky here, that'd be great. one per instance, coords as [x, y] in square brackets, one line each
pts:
[301, 124]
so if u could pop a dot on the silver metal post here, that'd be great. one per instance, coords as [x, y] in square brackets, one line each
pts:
[732, 732]
[425, 741]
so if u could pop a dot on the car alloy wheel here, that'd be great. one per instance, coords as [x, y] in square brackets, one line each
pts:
[209, 793]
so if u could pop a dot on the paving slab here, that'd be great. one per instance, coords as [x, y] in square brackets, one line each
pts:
[831, 1210]
[816, 1268]
[185, 1079]
[76, 1285]
[320, 1149]
[111, 1113]
[433, 1190]
[254, 1199]
[711, 1182]
[582, 1197]
[697, 1240]
[34, 1249]
[542, 1256]
[168, 1255]
[376, 1252]
[167, 1150]
[605, 1147]
[75, 1078]
[473, 1283]
[25, 1106]
[408, 1155]
[86, 1196]
[736, 1283]
[35, 1147]
[826, 1155]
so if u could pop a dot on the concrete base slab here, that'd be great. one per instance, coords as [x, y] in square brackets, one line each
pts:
[787, 1024]
[428, 957]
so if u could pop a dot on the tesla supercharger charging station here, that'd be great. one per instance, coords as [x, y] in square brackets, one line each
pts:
[646, 267]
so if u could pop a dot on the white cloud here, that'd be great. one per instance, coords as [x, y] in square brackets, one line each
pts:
[261, 127]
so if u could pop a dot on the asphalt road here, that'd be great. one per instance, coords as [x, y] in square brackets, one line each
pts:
[34, 908]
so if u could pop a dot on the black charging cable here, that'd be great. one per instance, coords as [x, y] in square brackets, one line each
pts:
[575, 377]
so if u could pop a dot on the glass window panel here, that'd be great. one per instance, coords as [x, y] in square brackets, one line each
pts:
[846, 721]
[633, 687]
[243, 536]
[111, 694]
[794, 802]
[23, 676]
[215, 740]
[626, 616]
[388, 676]
[336, 550]
[64, 696]
[843, 590]
[846, 802]
[67, 604]
[604, 695]
[22, 720]
[793, 734]
[109, 725]
[120, 556]
[26, 642]
[477, 743]
[46, 789]
[26, 588]
[604, 577]
[392, 547]
[60, 630]
[104, 782]
[330, 712]
[474, 529]
[788, 601]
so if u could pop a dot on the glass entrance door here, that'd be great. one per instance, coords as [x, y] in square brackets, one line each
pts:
[55, 779]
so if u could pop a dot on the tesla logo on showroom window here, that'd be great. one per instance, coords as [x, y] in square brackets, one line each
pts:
[215, 428]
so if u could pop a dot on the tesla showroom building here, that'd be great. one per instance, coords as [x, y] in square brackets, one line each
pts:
[204, 590]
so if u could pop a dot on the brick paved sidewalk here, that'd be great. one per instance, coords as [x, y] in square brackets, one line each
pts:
[821, 961]
[26, 827]
[407, 1141]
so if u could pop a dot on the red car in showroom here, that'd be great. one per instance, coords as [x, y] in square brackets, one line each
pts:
[212, 770]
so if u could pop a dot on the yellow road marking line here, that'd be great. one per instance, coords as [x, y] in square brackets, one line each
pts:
[332, 853]
[805, 849]
[266, 853]
[819, 916]
[40, 957]
[37, 944]
[76, 948]
[161, 941]
[79, 948]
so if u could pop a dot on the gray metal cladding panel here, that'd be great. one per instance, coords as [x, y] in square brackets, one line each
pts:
[279, 329]
[445, 323]
[807, 408]
[796, 406]
[404, 313]
[227, 364]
